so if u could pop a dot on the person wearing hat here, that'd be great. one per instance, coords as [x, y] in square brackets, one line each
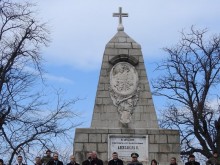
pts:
[134, 159]
[191, 161]
[46, 158]
[214, 160]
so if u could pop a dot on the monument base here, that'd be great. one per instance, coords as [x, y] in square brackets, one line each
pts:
[159, 144]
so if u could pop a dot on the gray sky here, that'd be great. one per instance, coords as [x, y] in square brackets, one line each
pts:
[80, 29]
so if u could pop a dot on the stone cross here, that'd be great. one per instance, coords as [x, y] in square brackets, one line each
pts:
[120, 15]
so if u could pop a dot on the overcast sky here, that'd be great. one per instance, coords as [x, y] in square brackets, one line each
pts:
[80, 29]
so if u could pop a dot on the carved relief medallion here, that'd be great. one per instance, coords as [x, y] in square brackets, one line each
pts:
[124, 89]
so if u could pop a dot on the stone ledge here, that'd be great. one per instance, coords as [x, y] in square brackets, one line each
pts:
[141, 131]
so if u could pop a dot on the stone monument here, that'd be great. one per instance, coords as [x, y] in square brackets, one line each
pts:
[124, 119]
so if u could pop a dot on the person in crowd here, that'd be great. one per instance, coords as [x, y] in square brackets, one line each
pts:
[153, 162]
[20, 160]
[1, 162]
[192, 161]
[38, 161]
[55, 160]
[45, 159]
[95, 159]
[88, 160]
[134, 159]
[214, 160]
[72, 160]
[173, 161]
[115, 160]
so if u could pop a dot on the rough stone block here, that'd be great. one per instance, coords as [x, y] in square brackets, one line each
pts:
[110, 51]
[105, 65]
[153, 148]
[103, 94]
[103, 156]
[107, 101]
[96, 116]
[122, 51]
[135, 52]
[101, 87]
[161, 138]
[104, 79]
[90, 146]
[130, 40]
[162, 157]
[110, 45]
[173, 139]
[98, 108]
[151, 139]
[165, 148]
[78, 147]
[140, 131]
[102, 147]
[81, 137]
[110, 108]
[95, 138]
[152, 156]
[176, 148]
[135, 45]
[140, 66]
[107, 86]
[137, 116]
[122, 39]
[104, 138]
[115, 131]
[98, 100]
[128, 131]
[104, 72]
[123, 45]
[143, 73]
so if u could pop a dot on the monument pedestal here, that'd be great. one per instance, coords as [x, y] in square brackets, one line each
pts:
[162, 144]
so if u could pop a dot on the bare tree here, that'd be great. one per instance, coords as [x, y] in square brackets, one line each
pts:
[28, 120]
[191, 84]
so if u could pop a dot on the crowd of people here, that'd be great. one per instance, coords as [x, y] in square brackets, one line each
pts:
[92, 159]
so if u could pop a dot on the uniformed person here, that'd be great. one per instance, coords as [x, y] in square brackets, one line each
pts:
[134, 159]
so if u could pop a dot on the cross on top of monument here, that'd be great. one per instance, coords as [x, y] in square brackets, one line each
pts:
[120, 15]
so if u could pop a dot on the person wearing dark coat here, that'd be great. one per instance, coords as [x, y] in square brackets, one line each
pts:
[214, 160]
[55, 160]
[88, 160]
[20, 160]
[115, 160]
[191, 161]
[1, 162]
[95, 159]
[47, 158]
[173, 161]
[72, 161]
[134, 160]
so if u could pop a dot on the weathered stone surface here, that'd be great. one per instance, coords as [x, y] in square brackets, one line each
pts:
[153, 148]
[90, 146]
[78, 147]
[173, 139]
[95, 138]
[162, 144]
[81, 138]
[102, 147]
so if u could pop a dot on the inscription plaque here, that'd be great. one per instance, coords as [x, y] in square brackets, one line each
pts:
[124, 145]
